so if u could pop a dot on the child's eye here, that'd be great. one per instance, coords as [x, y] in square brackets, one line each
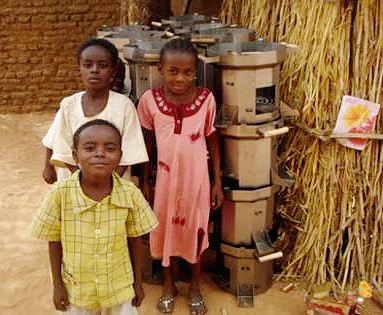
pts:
[103, 65]
[87, 64]
[111, 148]
[88, 148]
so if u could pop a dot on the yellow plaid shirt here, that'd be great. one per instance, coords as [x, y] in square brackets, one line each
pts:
[96, 267]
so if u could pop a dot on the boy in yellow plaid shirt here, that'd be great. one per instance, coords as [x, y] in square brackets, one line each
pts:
[93, 221]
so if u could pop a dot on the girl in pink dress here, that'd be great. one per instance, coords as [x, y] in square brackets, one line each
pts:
[179, 119]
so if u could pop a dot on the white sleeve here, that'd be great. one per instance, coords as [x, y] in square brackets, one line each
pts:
[62, 147]
[49, 137]
[133, 145]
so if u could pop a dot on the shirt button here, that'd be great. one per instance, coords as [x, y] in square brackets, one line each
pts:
[96, 281]
[95, 256]
[97, 231]
[178, 121]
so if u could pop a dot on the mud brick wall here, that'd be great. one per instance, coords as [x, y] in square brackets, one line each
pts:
[38, 41]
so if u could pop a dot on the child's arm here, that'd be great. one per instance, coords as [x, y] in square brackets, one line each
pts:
[60, 296]
[150, 140]
[135, 252]
[216, 190]
[120, 170]
[49, 173]
[72, 168]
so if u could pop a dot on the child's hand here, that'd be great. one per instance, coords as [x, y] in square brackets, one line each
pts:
[60, 298]
[139, 294]
[216, 196]
[145, 189]
[49, 174]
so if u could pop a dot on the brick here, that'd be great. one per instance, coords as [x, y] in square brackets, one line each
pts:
[8, 88]
[38, 19]
[9, 75]
[35, 60]
[50, 18]
[22, 74]
[33, 87]
[36, 80]
[9, 61]
[23, 59]
[77, 17]
[9, 19]
[78, 8]
[22, 47]
[38, 3]
[62, 73]
[63, 17]
[51, 2]
[48, 72]
[19, 10]
[24, 19]
[33, 46]
[36, 73]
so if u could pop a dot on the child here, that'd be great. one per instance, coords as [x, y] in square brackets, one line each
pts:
[93, 220]
[97, 60]
[181, 116]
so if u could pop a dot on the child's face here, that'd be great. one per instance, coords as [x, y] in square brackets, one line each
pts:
[96, 68]
[178, 71]
[98, 151]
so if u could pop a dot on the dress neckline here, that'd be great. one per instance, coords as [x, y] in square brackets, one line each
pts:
[95, 115]
[185, 109]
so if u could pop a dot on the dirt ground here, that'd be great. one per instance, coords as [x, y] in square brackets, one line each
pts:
[24, 271]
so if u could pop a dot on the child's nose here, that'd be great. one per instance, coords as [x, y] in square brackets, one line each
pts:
[95, 68]
[100, 152]
[180, 77]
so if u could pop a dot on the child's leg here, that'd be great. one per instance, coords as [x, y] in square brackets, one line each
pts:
[196, 301]
[169, 285]
[166, 302]
[194, 290]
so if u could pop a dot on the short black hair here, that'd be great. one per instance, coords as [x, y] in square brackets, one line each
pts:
[118, 84]
[181, 45]
[95, 122]
[101, 43]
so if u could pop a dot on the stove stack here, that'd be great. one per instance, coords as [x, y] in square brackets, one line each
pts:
[250, 123]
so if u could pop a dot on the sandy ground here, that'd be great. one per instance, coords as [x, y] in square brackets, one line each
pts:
[24, 271]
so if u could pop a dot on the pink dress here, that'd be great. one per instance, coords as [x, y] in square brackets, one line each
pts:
[182, 195]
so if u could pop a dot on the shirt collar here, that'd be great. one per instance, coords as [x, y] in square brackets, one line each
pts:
[117, 197]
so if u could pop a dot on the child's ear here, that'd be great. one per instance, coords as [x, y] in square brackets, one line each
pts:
[159, 67]
[114, 73]
[74, 155]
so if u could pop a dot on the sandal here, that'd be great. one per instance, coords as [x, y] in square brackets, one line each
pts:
[197, 306]
[165, 304]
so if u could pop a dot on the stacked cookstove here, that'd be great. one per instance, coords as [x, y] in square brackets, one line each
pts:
[250, 123]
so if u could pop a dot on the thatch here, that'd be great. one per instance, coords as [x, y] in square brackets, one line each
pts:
[335, 205]
[144, 11]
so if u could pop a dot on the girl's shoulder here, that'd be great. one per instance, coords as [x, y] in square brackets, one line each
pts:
[70, 101]
[120, 99]
[149, 93]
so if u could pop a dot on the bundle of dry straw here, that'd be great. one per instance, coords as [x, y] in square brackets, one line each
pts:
[335, 205]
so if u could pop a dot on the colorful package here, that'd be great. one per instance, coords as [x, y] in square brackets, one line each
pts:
[355, 116]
